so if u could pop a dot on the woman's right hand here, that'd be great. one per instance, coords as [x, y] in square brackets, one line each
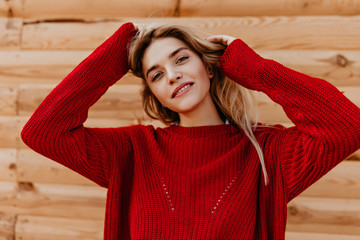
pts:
[140, 28]
[222, 39]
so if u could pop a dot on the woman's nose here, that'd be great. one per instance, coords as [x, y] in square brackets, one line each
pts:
[174, 76]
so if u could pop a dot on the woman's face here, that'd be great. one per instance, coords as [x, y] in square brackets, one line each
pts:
[176, 75]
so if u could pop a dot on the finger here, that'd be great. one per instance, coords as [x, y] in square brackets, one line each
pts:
[215, 38]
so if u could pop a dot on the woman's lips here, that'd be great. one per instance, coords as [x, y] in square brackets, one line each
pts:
[182, 89]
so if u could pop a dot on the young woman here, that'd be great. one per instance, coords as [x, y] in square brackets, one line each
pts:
[212, 173]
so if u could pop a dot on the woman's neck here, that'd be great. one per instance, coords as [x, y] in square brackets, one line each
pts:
[203, 115]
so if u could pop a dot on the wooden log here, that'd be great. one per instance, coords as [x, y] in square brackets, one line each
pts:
[10, 128]
[330, 32]
[355, 156]
[33, 167]
[8, 97]
[7, 226]
[324, 215]
[4, 8]
[37, 227]
[314, 215]
[87, 9]
[44, 228]
[110, 8]
[318, 236]
[341, 182]
[10, 31]
[268, 8]
[122, 102]
[71, 201]
[271, 112]
[43, 67]
[341, 68]
[8, 165]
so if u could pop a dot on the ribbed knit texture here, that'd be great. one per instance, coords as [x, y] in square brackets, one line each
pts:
[196, 182]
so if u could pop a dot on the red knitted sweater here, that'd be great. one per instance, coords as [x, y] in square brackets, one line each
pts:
[196, 182]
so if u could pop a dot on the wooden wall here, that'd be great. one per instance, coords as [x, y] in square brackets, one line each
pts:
[42, 41]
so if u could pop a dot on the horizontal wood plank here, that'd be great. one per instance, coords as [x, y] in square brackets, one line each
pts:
[124, 102]
[8, 100]
[324, 215]
[7, 226]
[329, 32]
[271, 112]
[341, 68]
[4, 8]
[318, 216]
[33, 167]
[266, 8]
[10, 128]
[67, 9]
[71, 201]
[8, 165]
[355, 156]
[10, 32]
[318, 236]
[88, 9]
[121, 102]
[343, 181]
[30, 227]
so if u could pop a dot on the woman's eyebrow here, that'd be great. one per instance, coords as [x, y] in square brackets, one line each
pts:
[176, 51]
[170, 56]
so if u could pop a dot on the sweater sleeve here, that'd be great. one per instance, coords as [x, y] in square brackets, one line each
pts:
[56, 129]
[327, 124]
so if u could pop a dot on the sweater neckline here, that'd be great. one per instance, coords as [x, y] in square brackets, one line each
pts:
[203, 131]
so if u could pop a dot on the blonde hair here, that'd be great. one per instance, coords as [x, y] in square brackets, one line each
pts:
[233, 102]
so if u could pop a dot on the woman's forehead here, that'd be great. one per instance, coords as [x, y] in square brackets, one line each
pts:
[160, 50]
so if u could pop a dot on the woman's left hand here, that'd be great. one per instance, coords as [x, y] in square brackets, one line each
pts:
[222, 39]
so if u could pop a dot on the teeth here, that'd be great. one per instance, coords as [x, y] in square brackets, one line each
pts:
[182, 89]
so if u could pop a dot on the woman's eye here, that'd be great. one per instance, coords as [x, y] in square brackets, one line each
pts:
[182, 58]
[156, 75]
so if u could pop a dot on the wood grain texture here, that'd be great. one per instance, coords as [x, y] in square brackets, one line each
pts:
[30, 227]
[18, 67]
[88, 9]
[266, 8]
[355, 156]
[10, 128]
[314, 32]
[4, 8]
[10, 33]
[71, 201]
[317, 216]
[339, 67]
[7, 226]
[318, 236]
[8, 98]
[341, 182]
[122, 102]
[324, 215]
[33, 167]
[8, 165]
